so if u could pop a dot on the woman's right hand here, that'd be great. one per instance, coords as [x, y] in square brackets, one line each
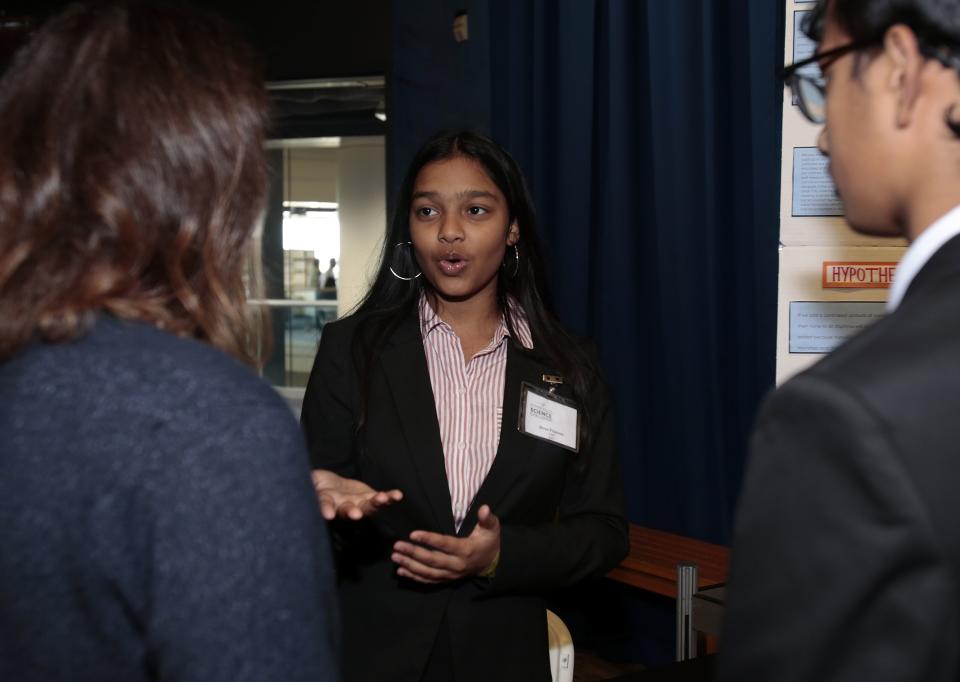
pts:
[349, 498]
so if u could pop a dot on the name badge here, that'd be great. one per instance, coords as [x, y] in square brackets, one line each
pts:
[549, 417]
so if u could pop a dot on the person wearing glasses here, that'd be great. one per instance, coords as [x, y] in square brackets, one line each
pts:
[846, 554]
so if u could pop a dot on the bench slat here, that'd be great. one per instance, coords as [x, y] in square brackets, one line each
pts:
[654, 554]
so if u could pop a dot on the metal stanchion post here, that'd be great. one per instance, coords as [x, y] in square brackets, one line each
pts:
[686, 588]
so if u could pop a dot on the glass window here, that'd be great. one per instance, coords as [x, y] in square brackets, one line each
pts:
[300, 256]
[325, 219]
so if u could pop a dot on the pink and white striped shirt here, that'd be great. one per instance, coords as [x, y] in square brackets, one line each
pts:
[468, 399]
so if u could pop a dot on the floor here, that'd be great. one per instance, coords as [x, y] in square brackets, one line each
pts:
[590, 668]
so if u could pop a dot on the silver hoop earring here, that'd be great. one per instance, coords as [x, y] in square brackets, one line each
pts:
[516, 262]
[397, 255]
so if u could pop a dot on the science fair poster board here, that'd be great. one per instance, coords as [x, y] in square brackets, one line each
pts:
[833, 281]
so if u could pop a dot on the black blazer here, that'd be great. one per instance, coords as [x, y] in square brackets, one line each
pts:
[562, 515]
[846, 557]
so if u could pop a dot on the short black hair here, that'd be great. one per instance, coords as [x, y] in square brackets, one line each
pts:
[936, 22]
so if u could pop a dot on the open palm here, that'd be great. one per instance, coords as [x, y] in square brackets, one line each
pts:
[348, 497]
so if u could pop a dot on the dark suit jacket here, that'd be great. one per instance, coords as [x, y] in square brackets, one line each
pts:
[562, 515]
[846, 559]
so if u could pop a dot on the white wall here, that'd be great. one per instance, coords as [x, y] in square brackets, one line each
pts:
[310, 174]
[361, 199]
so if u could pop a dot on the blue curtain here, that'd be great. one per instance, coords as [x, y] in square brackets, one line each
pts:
[650, 133]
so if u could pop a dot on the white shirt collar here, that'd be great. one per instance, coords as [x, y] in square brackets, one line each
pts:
[920, 251]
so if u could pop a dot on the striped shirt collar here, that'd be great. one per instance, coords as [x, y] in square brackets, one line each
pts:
[430, 322]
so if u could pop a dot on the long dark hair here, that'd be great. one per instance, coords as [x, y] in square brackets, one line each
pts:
[390, 301]
[132, 175]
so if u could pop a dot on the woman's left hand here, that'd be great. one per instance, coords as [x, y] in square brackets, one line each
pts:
[445, 557]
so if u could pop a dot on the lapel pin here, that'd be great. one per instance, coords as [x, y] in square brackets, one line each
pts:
[553, 379]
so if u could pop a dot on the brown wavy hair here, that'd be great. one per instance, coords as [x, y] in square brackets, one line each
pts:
[132, 175]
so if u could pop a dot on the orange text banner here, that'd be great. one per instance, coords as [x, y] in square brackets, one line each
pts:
[858, 275]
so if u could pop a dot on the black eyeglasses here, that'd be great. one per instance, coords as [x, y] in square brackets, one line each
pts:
[809, 87]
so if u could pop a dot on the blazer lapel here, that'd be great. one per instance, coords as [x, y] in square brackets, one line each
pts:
[944, 263]
[511, 460]
[405, 367]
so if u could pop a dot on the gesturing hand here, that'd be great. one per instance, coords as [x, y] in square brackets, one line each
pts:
[446, 557]
[348, 497]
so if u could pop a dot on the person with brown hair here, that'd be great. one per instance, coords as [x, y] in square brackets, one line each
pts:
[157, 519]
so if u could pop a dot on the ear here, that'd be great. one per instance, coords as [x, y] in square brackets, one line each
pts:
[513, 233]
[901, 48]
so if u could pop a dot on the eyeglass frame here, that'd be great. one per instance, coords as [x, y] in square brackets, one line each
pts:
[791, 74]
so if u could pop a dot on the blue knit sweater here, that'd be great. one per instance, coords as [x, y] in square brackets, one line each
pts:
[157, 520]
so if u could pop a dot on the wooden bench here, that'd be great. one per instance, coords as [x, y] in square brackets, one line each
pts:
[652, 562]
